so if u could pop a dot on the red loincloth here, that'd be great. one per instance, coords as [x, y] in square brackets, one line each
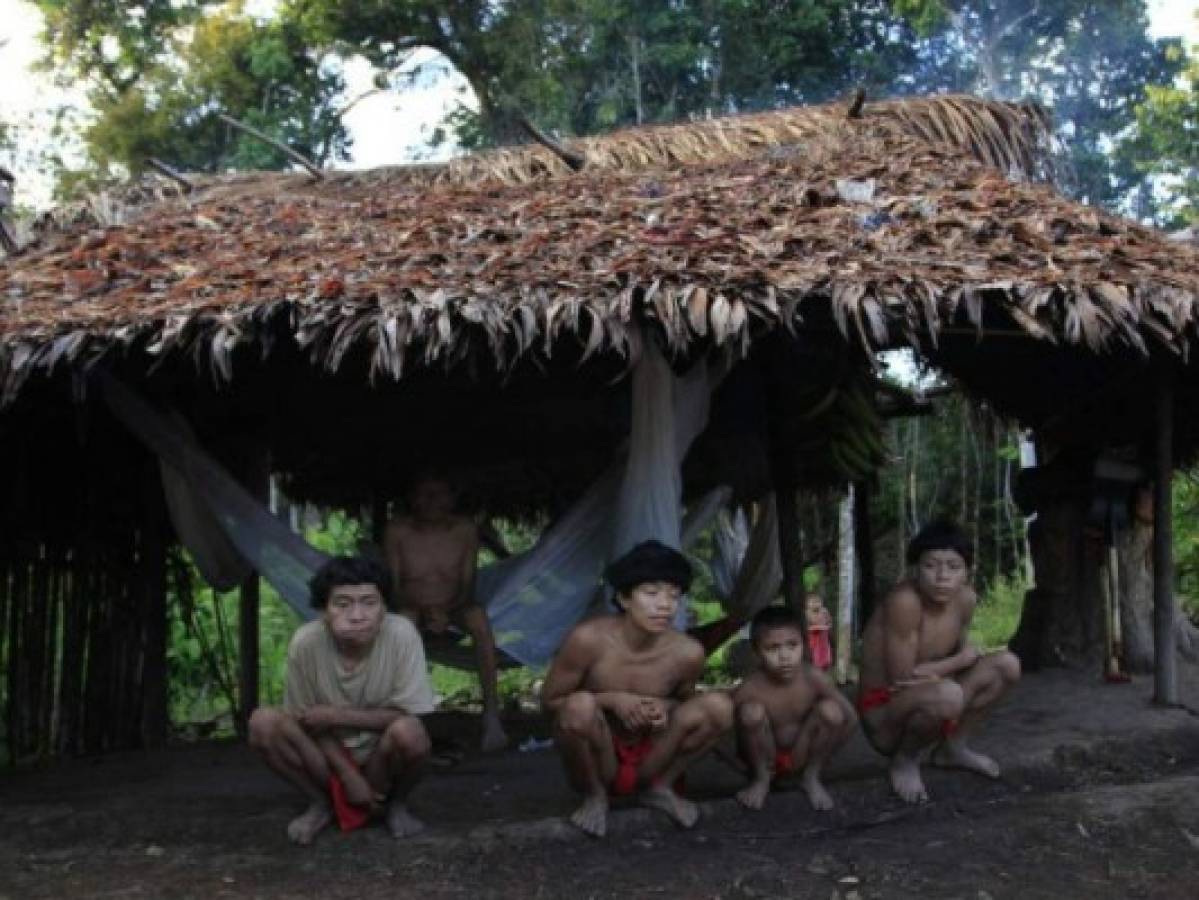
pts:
[628, 758]
[949, 728]
[784, 762]
[820, 649]
[873, 699]
[348, 815]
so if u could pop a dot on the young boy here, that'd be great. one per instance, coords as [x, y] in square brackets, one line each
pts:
[789, 715]
[621, 691]
[923, 684]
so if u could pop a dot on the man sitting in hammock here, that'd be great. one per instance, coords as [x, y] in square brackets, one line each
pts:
[432, 553]
[621, 690]
[924, 685]
[348, 735]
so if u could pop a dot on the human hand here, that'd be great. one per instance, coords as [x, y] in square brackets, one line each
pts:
[358, 790]
[968, 656]
[316, 719]
[656, 711]
[634, 712]
[435, 619]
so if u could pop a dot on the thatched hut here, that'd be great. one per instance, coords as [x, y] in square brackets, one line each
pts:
[484, 313]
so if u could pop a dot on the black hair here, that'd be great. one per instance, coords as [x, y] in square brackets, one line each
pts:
[771, 617]
[348, 570]
[649, 561]
[943, 534]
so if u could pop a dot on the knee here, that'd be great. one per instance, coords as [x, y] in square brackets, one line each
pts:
[578, 713]
[832, 714]
[948, 701]
[1007, 664]
[407, 735]
[751, 714]
[264, 726]
[718, 709]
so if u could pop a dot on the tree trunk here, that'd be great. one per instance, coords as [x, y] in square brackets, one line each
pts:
[1135, 545]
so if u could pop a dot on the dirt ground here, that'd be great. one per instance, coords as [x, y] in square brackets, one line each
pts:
[1100, 799]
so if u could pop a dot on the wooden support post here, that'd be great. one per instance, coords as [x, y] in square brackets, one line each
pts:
[257, 479]
[786, 489]
[863, 536]
[1165, 683]
[152, 575]
[846, 572]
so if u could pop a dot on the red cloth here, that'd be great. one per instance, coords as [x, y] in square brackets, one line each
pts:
[873, 699]
[784, 762]
[820, 649]
[629, 757]
[349, 816]
[949, 727]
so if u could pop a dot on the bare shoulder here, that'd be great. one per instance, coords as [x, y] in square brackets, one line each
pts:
[969, 599]
[903, 606]
[586, 638]
[688, 651]
[752, 687]
[399, 526]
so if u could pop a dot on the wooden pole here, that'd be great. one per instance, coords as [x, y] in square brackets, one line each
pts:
[152, 557]
[258, 482]
[864, 540]
[846, 570]
[784, 475]
[1165, 683]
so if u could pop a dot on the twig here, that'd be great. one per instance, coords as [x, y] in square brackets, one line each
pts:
[576, 161]
[856, 104]
[278, 145]
[167, 172]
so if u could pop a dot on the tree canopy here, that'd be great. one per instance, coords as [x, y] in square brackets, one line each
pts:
[160, 71]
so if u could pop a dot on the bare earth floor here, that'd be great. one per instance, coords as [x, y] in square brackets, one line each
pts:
[1100, 799]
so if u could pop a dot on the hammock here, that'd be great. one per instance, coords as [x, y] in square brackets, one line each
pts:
[532, 599]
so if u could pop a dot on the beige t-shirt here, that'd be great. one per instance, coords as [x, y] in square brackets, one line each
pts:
[394, 675]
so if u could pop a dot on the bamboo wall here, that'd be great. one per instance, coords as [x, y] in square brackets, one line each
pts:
[82, 599]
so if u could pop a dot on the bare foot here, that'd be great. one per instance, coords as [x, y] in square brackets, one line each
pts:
[753, 796]
[402, 823]
[956, 755]
[494, 738]
[906, 780]
[820, 798]
[683, 812]
[592, 816]
[306, 826]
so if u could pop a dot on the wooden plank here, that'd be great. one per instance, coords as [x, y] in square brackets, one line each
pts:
[1165, 681]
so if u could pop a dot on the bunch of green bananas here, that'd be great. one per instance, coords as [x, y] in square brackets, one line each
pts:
[841, 433]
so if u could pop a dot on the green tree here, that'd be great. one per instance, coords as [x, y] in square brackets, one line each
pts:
[1091, 63]
[1165, 145]
[158, 73]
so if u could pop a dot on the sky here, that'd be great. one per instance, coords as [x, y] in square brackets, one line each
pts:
[387, 128]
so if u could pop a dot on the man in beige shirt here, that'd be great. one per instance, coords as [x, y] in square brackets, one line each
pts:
[348, 735]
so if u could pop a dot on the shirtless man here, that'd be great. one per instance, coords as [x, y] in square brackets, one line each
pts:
[924, 686]
[348, 735]
[789, 715]
[432, 555]
[621, 690]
